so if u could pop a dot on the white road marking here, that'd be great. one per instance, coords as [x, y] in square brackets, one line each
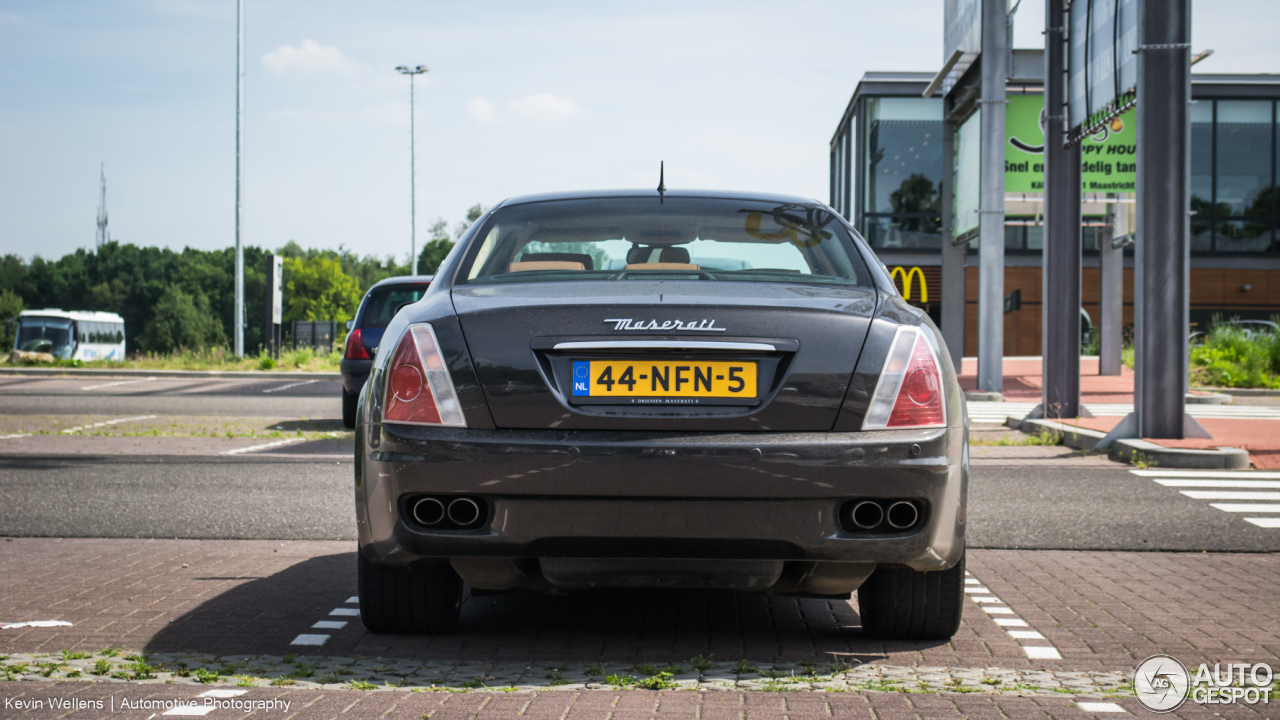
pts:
[1207, 474]
[329, 625]
[255, 448]
[306, 639]
[222, 693]
[1025, 635]
[1010, 622]
[972, 581]
[1097, 707]
[1246, 507]
[291, 385]
[1230, 495]
[988, 599]
[1033, 651]
[354, 599]
[113, 384]
[996, 610]
[34, 624]
[997, 412]
[108, 422]
[1220, 483]
[976, 589]
[1264, 522]
[1040, 652]
[10, 437]
[344, 612]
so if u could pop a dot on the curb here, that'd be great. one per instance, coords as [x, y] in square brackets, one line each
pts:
[973, 396]
[126, 372]
[1223, 458]
[1242, 392]
[1209, 398]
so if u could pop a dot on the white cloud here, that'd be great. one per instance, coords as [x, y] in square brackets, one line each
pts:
[545, 107]
[482, 110]
[310, 56]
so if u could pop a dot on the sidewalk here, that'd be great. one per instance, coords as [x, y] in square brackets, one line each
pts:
[1023, 383]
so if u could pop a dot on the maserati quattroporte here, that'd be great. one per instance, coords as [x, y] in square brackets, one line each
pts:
[664, 390]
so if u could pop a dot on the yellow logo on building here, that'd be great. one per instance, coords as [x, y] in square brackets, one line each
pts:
[903, 277]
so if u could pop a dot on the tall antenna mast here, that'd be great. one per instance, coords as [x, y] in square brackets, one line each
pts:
[103, 236]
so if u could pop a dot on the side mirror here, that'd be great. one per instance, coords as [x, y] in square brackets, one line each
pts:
[351, 323]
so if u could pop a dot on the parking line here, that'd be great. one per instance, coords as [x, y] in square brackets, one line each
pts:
[988, 604]
[1230, 495]
[329, 625]
[1246, 507]
[108, 422]
[10, 437]
[255, 448]
[1258, 484]
[222, 693]
[1264, 522]
[291, 385]
[1098, 707]
[354, 599]
[306, 639]
[113, 384]
[344, 612]
[1206, 474]
[190, 710]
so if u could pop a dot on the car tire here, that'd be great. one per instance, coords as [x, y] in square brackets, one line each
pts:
[906, 604]
[349, 402]
[418, 601]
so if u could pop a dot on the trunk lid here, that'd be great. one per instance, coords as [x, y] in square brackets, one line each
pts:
[527, 341]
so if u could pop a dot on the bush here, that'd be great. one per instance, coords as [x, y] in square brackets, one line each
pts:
[1234, 357]
[182, 321]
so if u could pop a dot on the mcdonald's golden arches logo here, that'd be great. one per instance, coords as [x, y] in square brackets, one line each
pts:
[902, 277]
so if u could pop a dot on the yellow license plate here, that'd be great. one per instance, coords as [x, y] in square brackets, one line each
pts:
[664, 379]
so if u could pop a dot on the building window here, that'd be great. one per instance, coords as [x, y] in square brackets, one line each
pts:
[1233, 176]
[901, 199]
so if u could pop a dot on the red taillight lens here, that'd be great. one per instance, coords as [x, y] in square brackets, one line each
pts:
[909, 393]
[419, 389]
[355, 347]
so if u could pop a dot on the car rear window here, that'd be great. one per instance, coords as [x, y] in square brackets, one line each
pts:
[676, 239]
[384, 301]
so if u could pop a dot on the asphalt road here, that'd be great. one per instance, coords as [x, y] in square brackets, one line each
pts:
[270, 397]
[249, 497]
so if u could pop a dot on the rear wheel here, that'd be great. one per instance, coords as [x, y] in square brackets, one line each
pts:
[420, 601]
[349, 402]
[905, 604]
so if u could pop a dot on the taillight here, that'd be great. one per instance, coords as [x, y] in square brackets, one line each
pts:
[419, 389]
[909, 393]
[355, 347]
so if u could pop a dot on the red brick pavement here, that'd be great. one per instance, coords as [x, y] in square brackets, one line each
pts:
[604, 705]
[1102, 610]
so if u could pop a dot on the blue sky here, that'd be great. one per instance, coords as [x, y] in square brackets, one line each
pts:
[521, 98]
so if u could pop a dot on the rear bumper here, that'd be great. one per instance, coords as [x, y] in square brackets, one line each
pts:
[354, 374]
[576, 494]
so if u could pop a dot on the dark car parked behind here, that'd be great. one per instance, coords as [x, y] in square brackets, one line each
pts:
[376, 310]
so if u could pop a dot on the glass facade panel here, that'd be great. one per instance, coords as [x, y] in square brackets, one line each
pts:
[1243, 162]
[1244, 236]
[903, 158]
[889, 233]
[1202, 176]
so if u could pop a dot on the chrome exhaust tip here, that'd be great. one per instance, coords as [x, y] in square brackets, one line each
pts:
[903, 514]
[867, 514]
[428, 511]
[464, 511]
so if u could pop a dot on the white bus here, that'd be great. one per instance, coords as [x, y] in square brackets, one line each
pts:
[71, 335]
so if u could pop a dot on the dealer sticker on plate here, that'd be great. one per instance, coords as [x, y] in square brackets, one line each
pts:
[664, 381]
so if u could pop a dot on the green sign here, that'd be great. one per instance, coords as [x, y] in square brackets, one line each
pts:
[1108, 158]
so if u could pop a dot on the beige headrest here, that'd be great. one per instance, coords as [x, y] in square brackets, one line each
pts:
[545, 265]
[661, 266]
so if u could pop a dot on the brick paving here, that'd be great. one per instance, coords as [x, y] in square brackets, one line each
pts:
[605, 705]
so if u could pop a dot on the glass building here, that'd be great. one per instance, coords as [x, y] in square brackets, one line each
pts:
[886, 178]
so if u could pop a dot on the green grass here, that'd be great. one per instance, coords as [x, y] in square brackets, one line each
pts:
[209, 359]
[1044, 437]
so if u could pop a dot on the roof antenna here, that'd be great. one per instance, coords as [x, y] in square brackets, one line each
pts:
[662, 184]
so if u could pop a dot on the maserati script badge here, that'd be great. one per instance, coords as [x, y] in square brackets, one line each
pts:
[666, 325]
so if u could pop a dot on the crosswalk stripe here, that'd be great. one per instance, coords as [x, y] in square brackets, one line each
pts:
[1250, 474]
[1230, 495]
[1246, 507]
[983, 411]
[1182, 482]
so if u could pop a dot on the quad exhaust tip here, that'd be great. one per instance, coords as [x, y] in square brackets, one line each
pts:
[464, 511]
[880, 515]
[428, 511]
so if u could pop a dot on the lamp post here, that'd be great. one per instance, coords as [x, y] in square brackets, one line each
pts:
[413, 195]
[238, 322]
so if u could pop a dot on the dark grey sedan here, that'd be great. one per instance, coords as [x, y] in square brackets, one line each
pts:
[646, 389]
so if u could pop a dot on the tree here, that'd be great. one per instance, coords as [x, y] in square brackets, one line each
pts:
[10, 306]
[317, 289]
[181, 321]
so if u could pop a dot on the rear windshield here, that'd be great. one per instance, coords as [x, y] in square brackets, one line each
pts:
[679, 239]
[384, 301]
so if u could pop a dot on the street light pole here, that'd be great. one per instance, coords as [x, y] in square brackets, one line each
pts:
[413, 176]
[238, 320]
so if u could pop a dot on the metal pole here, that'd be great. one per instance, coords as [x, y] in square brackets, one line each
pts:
[1060, 319]
[413, 190]
[1111, 296]
[991, 206]
[1163, 249]
[238, 320]
[953, 279]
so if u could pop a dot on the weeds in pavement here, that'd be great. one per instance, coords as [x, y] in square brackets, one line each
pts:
[620, 681]
[288, 659]
[559, 681]
[702, 664]
[838, 667]
[554, 674]
[109, 652]
[362, 685]
[102, 667]
[660, 681]
[1142, 461]
[205, 677]
[645, 669]
[991, 681]
[283, 681]
[68, 655]
[1044, 437]
[595, 670]
[245, 680]
[742, 668]
[48, 668]
[11, 672]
